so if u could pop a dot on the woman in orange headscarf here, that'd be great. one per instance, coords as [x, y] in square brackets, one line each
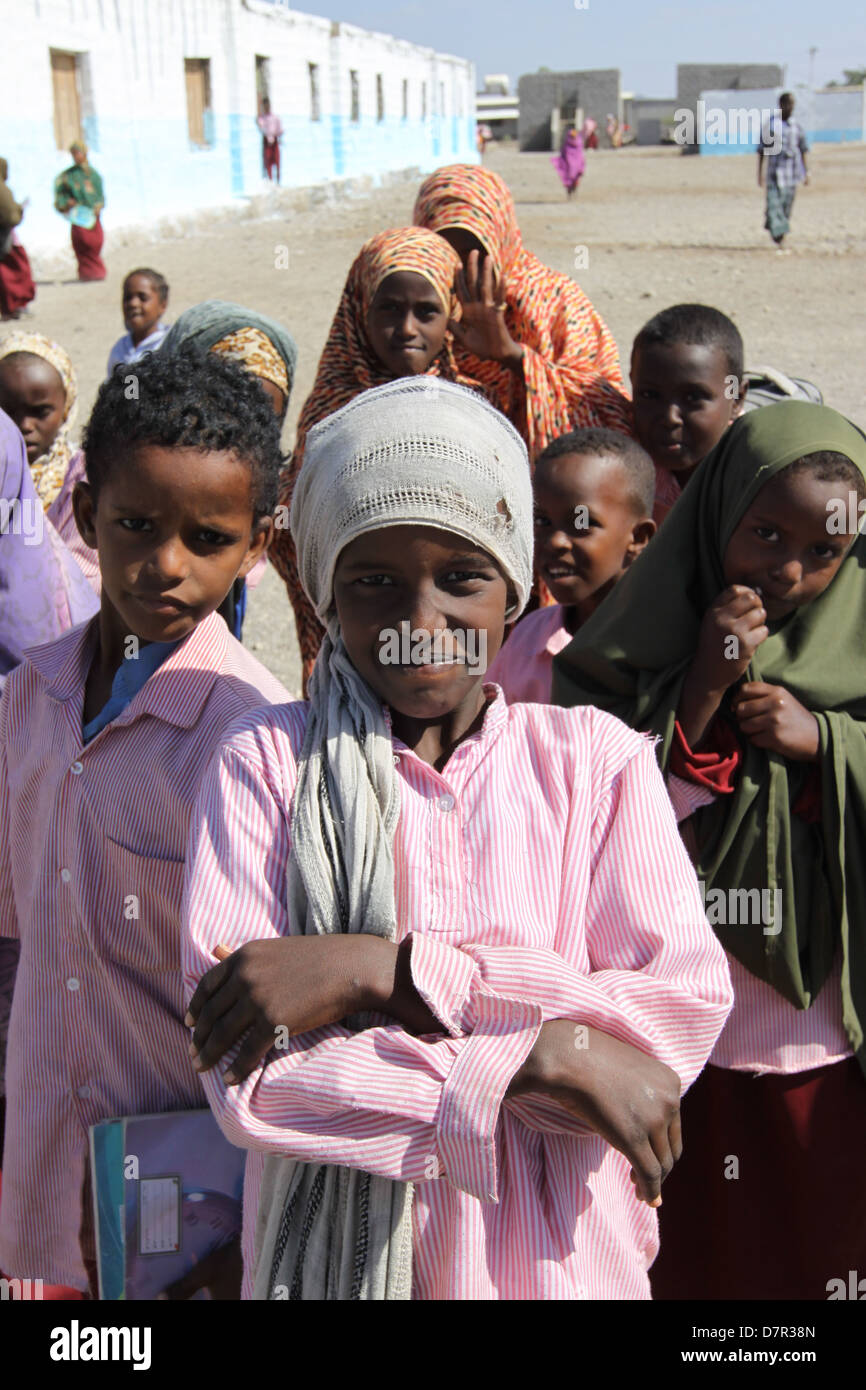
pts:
[394, 319]
[527, 333]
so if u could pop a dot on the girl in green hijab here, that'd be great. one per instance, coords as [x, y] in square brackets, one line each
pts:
[739, 639]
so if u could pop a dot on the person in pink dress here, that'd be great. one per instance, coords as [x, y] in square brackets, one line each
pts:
[570, 163]
[272, 133]
[461, 940]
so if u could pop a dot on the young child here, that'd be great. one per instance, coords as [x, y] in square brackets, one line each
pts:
[39, 392]
[738, 638]
[104, 734]
[145, 300]
[688, 386]
[593, 493]
[392, 321]
[501, 887]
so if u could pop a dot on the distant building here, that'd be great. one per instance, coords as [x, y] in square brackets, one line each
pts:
[167, 93]
[497, 107]
[549, 100]
[651, 118]
[696, 78]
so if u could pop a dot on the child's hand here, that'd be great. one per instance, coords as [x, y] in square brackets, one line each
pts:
[731, 632]
[482, 330]
[293, 983]
[630, 1099]
[771, 718]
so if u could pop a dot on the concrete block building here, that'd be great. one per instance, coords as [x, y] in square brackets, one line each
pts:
[596, 92]
[166, 93]
[695, 78]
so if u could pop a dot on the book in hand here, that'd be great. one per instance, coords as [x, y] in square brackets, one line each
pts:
[167, 1192]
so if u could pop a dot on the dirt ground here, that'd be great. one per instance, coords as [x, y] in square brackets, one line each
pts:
[649, 228]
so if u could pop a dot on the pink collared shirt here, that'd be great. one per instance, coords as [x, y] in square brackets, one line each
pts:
[61, 515]
[524, 666]
[539, 875]
[91, 872]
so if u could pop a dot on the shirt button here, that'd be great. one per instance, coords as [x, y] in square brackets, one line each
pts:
[72, 983]
[66, 875]
[76, 768]
[396, 759]
[446, 802]
[83, 1092]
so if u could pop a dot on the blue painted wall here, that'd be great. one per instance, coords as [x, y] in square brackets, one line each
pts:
[150, 169]
[826, 117]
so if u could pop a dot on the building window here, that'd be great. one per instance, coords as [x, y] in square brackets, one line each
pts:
[380, 98]
[354, 96]
[315, 104]
[67, 99]
[198, 108]
[423, 101]
[405, 99]
[263, 81]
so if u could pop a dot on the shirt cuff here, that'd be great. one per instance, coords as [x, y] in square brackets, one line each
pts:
[442, 975]
[716, 767]
[505, 1033]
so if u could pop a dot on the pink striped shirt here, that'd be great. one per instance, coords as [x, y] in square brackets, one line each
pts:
[91, 873]
[60, 513]
[524, 666]
[764, 1033]
[540, 875]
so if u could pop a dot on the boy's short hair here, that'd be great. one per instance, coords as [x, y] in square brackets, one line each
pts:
[159, 282]
[698, 325]
[635, 460]
[831, 467]
[190, 400]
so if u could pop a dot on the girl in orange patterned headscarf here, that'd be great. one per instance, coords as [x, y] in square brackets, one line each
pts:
[392, 321]
[527, 333]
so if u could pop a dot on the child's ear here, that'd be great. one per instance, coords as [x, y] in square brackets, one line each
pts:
[259, 542]
[641, 534]
[84, 510]
[740, 399]
[510, 606]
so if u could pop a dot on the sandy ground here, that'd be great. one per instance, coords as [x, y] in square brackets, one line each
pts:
[649, 228]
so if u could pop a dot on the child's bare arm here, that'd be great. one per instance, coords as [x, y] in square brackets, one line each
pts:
[732, 630]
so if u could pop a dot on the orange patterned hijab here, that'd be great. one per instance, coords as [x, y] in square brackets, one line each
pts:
[348, 363]
[571, 376]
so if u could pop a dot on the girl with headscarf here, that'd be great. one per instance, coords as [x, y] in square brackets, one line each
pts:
[371, 342]
[527, 333]
[738, 639]
[16, 280]
[79, 195]
[406, 1136]
[570, 163]
[39, 390]
[268, 352]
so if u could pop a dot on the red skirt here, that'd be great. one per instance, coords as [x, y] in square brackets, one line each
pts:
[87, 244]
[16, 281]
[794, 1217]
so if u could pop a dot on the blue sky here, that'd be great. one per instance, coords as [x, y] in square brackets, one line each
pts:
[645, 39]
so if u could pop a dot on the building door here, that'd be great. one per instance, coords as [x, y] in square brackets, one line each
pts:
[197, 72]
[67, 100]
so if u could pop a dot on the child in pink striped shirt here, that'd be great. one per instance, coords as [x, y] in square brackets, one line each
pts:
[593, 492]
[464, 970]
[104, 734]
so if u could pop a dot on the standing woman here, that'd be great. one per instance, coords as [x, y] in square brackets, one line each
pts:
[528, 334]
[79, 195]
[571, 161]
[16, 281]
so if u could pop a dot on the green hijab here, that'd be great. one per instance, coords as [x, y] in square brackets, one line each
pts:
[631, 658]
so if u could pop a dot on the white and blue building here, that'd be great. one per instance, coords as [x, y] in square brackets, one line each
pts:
[166, 94]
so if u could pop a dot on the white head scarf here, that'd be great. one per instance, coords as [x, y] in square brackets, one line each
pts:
[422, 452]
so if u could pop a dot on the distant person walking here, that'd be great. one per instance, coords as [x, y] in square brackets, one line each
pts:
[571, 161]
[614, 133]
[784, 143]
[272, 133]
[590, 134]
[16, 281]
[79, 195]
